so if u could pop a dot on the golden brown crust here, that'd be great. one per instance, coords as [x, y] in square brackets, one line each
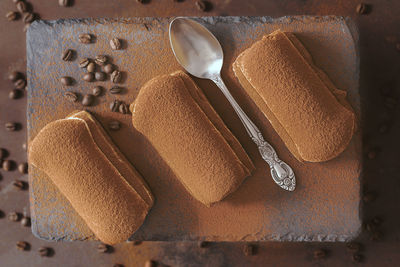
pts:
[309, 113]
[101, 185]
[174, 115]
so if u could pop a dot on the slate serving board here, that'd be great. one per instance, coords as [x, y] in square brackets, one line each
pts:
[325, 205]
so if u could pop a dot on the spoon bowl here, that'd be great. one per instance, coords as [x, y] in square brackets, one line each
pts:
[195, 48]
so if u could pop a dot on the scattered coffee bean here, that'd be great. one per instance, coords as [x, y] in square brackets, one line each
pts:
[114, 125]
[85, 38]
[71, 96]
[97, 91]
[203, 5]
[3, 153]
[137, 242]
[22, 245]
[353, 247]
[67, 81]
[15, 93]
[204, 244]
[29, 17]
[21, 6]
[376, 236]
[88, 100]
[150, 263]
[45, 251]
[357, 257]
[91, 67]
[11, 126]
[115, 44]
[114, 106]
[118, 265]
[100, 76]
[23, 167]
[19, 185]
[20, 84]
[88, 77]
[319, 254]
[116, 76]
[14, 75]
[12, 16]
[369, 197]
[26, 221]
[84, 62]
[109, 68]
[123, 108]
[115, 90]
[8, 165]
[14, 216]
[249, 250]
[101, 60]
[390, 102]
[67, 55]
[64, 3]
[103, 248]
[362, 9]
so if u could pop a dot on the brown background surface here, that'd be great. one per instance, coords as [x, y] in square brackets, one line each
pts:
[379, 67]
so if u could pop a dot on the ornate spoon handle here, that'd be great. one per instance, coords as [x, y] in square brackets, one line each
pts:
[282, 173]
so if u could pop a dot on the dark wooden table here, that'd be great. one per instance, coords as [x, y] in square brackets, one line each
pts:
[379, 86]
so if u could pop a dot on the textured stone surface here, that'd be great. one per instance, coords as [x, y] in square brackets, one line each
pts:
[324, 207]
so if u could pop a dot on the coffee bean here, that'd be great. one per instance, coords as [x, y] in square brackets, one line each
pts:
[8, 165]
[114, 125]
[22, 245]
[150, 263]
[101, 60]
[97, 91]
[137, 242]
[84, 62]
[45, 251]
[14, 216]
[116, 76]
[23, 167]
[115, 44]
[85, 38]
[71, 96]
[19, 185]
[14, 75]
[88, 77]
[12, 16]
[118, 265]
[26, 221]
[67, 55]
[11, 126]
[15, 93]
[21, 6]
[29, 17]
[100, 76]
[353, 247]
[1, 214]
[114, 106]
[20, 84]
[204, 244]
[115, 90]
[249, 250]
[67, 81]
[103, 248]
[3, 153]
[64, 3]
[203, 5]
[319, 254]
[109, 68]
[91, 67]
[123, 108]
[88, 100]
[369, 197]
[363, 9]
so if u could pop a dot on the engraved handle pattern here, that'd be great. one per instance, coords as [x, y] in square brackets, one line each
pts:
[281, 173]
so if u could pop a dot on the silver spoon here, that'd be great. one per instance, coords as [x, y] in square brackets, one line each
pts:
[200, 53]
